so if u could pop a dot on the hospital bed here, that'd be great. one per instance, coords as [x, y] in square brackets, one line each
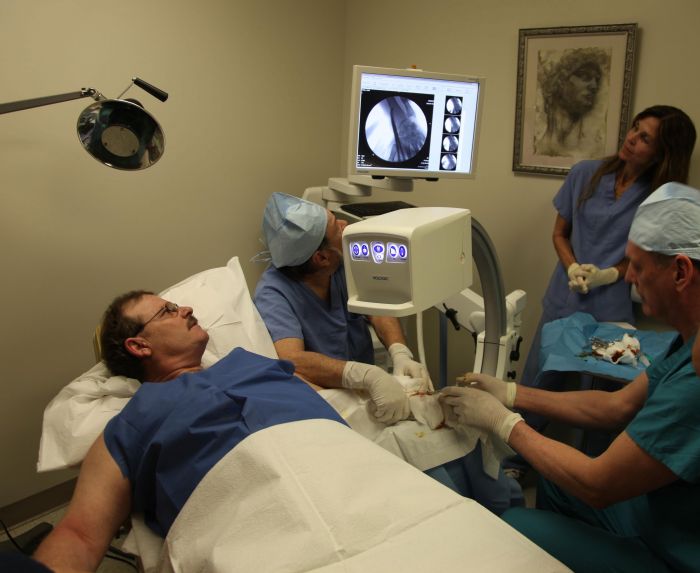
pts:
[311, 496]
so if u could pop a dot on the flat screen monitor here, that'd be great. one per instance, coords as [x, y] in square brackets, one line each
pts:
[413, 124]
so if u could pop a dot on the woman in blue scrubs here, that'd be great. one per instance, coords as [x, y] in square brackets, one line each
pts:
[595, 207]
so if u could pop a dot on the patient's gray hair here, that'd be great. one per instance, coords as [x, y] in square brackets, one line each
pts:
[116, 328]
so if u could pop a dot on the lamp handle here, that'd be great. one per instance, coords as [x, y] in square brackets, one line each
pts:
[153, 90]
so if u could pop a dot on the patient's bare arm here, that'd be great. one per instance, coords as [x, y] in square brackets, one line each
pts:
[101, 503]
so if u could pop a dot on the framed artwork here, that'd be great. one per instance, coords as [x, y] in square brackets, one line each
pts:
[573, 95]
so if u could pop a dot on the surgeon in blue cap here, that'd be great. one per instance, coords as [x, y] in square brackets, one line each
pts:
[636, 506]
[302, 298]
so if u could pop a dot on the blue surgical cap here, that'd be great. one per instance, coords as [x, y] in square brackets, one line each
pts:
[293, 229]
[668, 221]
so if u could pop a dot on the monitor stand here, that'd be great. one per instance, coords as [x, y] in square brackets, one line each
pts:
[341, 192]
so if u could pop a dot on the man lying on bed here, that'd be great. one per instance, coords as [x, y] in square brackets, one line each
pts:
[152, 455]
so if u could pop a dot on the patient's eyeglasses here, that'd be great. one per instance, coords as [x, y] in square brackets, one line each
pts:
[168, 308]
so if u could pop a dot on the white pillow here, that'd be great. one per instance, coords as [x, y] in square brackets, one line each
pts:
[81, 410]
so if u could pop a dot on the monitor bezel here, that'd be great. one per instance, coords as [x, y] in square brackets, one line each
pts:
[382, 172]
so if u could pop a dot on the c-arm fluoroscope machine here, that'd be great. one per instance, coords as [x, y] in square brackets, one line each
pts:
[406, 125]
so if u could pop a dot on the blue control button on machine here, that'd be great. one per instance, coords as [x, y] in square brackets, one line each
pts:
[396, 253]
[378, 251]
[359, 251]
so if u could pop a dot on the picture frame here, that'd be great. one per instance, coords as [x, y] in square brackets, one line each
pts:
[573, 95]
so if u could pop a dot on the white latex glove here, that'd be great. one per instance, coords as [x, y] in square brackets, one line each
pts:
[404, 365]
[469, 406]
[594, 277]
[503, 391]
[387, 394]
[577, 281]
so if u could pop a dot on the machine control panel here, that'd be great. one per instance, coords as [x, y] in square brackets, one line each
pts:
[379, 251]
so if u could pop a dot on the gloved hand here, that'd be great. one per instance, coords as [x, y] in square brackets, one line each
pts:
[469, 406]
[503, 391]
[404, 365]
[384, 390]
[594, 277]
[576, 278]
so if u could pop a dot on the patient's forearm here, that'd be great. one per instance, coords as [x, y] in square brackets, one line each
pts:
[101, 502]
[65, 550]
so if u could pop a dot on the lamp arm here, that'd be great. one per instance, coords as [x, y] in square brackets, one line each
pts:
[48, 100]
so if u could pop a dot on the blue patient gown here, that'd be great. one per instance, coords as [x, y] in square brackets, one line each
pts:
[171, 434]
[290, 309]
[657, 531]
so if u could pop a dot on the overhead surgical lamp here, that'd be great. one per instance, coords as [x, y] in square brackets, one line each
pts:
[119, 133]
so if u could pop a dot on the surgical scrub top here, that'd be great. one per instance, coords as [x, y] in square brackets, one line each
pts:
[599, 231]
[668, 429]
[171, 433]
[290, 309]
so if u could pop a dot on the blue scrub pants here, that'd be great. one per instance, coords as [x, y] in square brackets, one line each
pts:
[466, 476]
[583, 538]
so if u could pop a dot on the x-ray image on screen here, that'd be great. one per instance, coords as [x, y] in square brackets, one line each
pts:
[412, 124]
[448, 162]
[396, 129]
[454, 105]
[452, 124]
[450, 143]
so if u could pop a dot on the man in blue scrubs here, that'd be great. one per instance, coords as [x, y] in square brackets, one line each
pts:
[302, 298]
[178, 425]
[636, 506]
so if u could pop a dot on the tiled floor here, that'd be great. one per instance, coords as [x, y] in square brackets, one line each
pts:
[53, 517]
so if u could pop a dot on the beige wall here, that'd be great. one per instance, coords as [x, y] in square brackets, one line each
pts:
[255, 107]
[74, 233]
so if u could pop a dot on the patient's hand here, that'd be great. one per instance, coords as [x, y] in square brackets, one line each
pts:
[427, 410]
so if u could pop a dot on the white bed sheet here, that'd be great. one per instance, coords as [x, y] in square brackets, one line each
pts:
[288, 498]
